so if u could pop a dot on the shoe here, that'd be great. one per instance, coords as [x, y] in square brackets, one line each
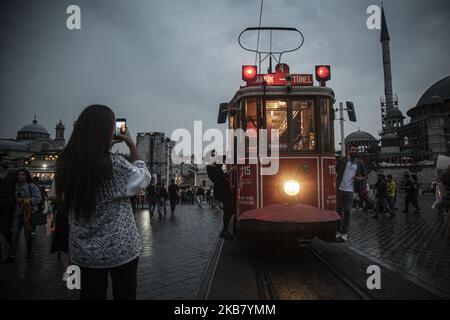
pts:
[338, 235]
[65, 276]
[344, 237]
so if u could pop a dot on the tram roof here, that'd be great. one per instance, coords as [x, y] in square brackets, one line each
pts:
[280, 91]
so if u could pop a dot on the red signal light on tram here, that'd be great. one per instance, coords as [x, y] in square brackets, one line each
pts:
[323, 74]
[249, 73]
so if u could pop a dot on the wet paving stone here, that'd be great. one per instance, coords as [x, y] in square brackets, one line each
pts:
[174, 253]
[417, 244]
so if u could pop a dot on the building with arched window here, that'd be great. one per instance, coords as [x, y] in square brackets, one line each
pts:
[34, 149]
[428, 132]
[365, 142]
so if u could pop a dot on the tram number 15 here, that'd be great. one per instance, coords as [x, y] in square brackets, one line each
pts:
[245, 171]
[332, 169]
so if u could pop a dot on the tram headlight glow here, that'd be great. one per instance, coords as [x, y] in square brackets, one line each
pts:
[291, 188]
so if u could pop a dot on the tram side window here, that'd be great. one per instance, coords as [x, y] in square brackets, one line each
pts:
[251, 126]
[277, 119]
[303, 132]
[251, 114]
[326, 125]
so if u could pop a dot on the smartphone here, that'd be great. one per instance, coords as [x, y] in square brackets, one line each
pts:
[121, 125]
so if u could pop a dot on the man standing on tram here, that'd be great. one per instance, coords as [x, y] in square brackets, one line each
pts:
[350, 172]
[223, 193]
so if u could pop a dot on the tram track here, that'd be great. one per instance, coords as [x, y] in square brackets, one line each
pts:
[363, 295]
[301, 273]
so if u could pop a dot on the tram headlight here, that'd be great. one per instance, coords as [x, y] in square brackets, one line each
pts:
[291, 188]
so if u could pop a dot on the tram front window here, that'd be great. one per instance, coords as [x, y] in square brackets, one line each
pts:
[326, 125]
[277, 119]
[303, 133]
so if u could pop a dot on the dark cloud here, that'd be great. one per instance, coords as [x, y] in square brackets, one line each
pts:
[164, 64]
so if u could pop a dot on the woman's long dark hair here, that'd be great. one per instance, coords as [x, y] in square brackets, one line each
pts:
[85, 164]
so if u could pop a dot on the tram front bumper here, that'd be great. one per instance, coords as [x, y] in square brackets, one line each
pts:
[299, 220]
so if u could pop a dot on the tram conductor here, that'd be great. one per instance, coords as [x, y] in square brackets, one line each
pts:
[350, 173]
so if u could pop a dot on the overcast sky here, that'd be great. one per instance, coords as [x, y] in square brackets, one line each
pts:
[164, 64]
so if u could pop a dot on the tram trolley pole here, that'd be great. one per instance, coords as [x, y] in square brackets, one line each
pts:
[352, 117]
[341, 120]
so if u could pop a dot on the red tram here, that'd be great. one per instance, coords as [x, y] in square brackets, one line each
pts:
[300, 198]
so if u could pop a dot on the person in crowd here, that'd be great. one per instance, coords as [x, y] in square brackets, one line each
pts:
[208, 197]
[60, 236]
[199, 194]
[382, 197]
[417, 189]
[364, 195]
[37, 182]
[165, 196]
[152, 198]
[183, 197]
[161, 195]
[223, 193]
[350, 172]
[391, 192]
[27, 196]
[94, 187]
[174, 194]
[192, 196]
[445, 201]
[410, 194]
[7, 200]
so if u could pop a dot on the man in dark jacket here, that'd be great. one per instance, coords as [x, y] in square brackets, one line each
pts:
[382, 197]
[411, 192]
[174, 195]
[222, 192]
[350, 173]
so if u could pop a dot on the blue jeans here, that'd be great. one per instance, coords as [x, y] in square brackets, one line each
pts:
[17, 229]
[344, 205]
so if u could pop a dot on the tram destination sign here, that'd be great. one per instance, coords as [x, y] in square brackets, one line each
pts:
[276, 79]
[281, 77]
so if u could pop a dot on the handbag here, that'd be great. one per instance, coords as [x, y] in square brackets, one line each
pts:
[38, 219]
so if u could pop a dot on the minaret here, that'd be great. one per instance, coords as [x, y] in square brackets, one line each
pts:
[59, 138]
[392, 118]
[384, 38]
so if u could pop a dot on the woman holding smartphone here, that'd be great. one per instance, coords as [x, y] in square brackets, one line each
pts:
[94, 187]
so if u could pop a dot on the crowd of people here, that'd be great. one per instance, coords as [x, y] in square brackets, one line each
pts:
[353, 191]
[157, 196]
